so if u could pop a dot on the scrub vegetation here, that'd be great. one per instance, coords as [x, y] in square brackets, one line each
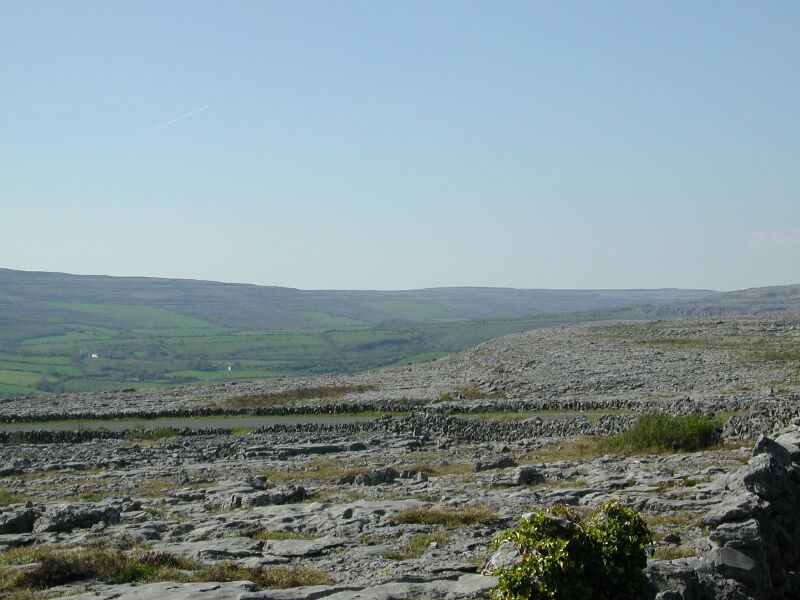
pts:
[566, 556]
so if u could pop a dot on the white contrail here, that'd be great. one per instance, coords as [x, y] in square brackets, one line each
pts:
[175, 120]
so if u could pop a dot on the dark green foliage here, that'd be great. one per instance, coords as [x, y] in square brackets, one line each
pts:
[569, 557]
[659, 432]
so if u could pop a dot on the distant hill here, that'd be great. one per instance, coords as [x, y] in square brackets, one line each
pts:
[62, 333]
[752, 301]
[56, 296]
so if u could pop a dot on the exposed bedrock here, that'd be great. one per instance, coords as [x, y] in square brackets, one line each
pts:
[753, 547]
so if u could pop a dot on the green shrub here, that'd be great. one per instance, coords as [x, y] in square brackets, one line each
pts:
[569, 557]
[659, 432]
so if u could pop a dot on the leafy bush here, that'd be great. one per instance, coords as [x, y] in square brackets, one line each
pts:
[659, 432]
[565, 556]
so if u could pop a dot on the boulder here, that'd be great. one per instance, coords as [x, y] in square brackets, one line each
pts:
[378, 477]
[18, 520]
[218, 549]
[674, 580]
[502, 462]
[66, 517]
[507, 556]
[527, 475]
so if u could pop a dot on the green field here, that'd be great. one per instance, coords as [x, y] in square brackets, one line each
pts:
[134, 315]
[154, 347]
[65, 333]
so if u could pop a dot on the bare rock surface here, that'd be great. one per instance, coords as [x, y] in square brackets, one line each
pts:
[406, 505]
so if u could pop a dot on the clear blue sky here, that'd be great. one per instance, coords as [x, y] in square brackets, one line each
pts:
[391, 145]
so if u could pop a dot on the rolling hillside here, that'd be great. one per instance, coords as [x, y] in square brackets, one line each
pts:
[61, 332]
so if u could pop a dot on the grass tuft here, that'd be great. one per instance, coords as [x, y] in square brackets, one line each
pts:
[416, 546]
[430, 515]
[9, 497]
[55, 566]
[323, 468]
[659, 432]
[158, 433]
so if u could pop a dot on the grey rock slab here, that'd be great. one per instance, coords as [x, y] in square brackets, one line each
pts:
[734, 508]
[765, 475]
[65, 517]
[737, 534]
[777, 451]
[217, 549]
[234, 590]
[377, 477]
[738, 563]
[466, 586]
[674, 577]
[310, 592]
[789, 438]
[527, 475]
[296, 548]
[18, 520]
[507, 556]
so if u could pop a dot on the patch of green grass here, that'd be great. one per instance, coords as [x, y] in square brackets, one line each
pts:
[160, 433]
[583, 448]
[416, 546]
[449, 517]
[10, 497]
[19, 378]
[87, 496]
[153, 488]
[136, 315]
[410, 309]
[264, 578]
[674, 519]
[667, 553]
[323, 468]
[370, 540]
[659, 432]
[58, 566]
[335, 321]
[326, 392]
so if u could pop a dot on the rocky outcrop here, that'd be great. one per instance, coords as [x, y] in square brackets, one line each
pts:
[755, 535]
[66, 517]
[753, 547]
